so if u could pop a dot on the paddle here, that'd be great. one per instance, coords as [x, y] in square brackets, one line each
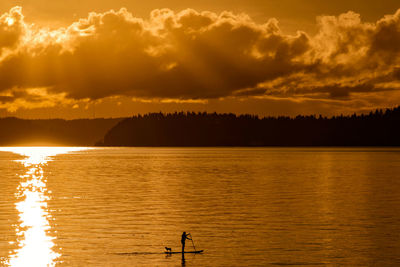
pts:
[191, 238]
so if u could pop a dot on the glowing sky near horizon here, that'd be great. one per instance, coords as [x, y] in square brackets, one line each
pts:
[260, 57]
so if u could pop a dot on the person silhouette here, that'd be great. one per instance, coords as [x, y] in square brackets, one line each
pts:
[183, 240]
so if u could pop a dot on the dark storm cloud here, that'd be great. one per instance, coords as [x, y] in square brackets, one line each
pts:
[197, 55]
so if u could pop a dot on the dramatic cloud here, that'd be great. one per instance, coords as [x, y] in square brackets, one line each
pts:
[194, 55]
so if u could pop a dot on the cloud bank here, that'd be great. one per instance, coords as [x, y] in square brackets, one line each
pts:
[193, 55]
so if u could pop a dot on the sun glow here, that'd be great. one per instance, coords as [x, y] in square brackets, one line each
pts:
[35, 240]
[10, 21]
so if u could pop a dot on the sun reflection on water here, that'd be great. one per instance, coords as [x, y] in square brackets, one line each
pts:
[35, 243]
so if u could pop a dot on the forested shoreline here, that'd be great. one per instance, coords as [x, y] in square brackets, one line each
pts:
[378, 128]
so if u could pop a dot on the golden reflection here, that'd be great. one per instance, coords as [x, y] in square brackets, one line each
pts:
[35, 244]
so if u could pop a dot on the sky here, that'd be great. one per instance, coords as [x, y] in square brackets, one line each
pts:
[114, 58]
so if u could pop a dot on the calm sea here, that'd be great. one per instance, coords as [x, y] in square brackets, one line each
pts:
[243, 206]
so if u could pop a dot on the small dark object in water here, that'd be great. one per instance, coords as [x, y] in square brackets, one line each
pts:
[168, 250]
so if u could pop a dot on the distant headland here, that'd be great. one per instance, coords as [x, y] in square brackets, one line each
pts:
[53, 132]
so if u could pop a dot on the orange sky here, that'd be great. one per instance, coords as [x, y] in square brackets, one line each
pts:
[262, 57]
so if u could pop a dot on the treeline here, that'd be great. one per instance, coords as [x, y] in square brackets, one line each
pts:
[82, 132]
[379, 128]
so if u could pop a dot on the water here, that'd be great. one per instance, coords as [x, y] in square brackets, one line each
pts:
[244, 207]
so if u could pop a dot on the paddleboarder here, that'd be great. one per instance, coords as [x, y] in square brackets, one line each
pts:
[183, 240]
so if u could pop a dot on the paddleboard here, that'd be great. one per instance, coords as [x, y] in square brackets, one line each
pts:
[180, 252]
